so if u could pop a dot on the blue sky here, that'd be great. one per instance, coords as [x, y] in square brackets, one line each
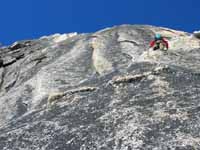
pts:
[28, 19]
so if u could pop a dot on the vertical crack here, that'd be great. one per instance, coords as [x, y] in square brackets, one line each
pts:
[2, 76]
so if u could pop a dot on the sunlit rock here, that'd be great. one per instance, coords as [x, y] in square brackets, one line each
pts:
[101, 91]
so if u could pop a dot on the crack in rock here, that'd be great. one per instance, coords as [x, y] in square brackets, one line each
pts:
[55, 96]
[139, 77]
[128, 41]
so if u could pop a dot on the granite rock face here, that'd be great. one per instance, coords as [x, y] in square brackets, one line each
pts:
[101, 91]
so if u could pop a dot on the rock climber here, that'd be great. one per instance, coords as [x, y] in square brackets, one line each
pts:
[159, 43]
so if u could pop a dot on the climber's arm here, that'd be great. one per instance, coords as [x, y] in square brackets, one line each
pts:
[152, 43]
[166, 43]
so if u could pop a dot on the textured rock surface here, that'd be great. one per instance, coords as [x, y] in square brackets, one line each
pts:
[101, 91]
